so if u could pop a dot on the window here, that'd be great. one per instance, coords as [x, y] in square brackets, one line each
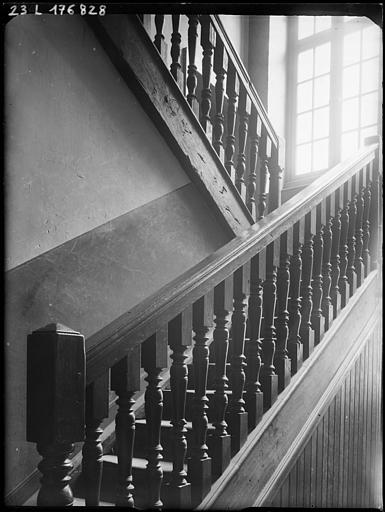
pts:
[334, 87]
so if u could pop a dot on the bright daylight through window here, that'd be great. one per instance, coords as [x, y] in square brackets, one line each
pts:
[335, 88]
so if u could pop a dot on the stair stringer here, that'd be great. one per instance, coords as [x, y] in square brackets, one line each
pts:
[260, 467]
[127, 44]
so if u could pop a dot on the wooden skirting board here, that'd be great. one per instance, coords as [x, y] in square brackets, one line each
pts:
[257, 471]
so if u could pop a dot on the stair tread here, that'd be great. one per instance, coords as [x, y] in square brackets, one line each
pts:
[140, 463]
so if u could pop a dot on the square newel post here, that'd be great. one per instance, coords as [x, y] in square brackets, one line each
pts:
[55, 406]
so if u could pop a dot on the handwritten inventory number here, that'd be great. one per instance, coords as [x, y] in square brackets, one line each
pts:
[60, 9]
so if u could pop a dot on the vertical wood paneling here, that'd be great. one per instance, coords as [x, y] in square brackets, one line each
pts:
[341, 464]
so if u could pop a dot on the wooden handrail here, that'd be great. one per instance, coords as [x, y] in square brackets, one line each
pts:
[244, 76]
[113, 342]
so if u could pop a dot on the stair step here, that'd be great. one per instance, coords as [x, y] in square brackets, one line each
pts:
[210, 375]
[167, 404]
[140, 448]
[139, 464]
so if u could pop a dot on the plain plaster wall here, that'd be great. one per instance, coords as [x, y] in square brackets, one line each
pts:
[51, 168]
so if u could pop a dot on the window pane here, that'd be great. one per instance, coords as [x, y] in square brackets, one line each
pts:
[321, 123]
[367, 132]
[369, 109]
[350, 114]
[351, 81]
[320, 155]
[305, 26]
[349, 144]
[321, 91]
[369, 79]
[370, 42]
[303, 162]
[322, 59]
[304, 122]
[304, 96]
[305, 65]
[322, 23]
[352, 44]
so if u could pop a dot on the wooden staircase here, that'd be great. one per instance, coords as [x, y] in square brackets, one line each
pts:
[254, 311]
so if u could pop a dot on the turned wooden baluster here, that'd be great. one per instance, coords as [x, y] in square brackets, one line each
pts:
[366, 226]
[269, 378]
[374, 213]
[220, 441]
[237, 416]
[125, 381]
[154, 359]
[176, 68]
[244, 111]
[327, 306]
[208, 37]
[253, 345]
[305, 331]
[359, 261]
[199, 469]
[264, 176]
[232, 88]
[255, 135]
[351, 271]
[343, 280]
[281, 359]
[375, 202]
[192, 79]
[335, 257]
[97, 408]
[179, 338]
[55, 407]
[317, 282]
[159, 37]
[220, 69]
[275, 166]
[294, 344]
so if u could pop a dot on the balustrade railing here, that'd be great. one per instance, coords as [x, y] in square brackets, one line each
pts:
[221, 95]
[265, 294]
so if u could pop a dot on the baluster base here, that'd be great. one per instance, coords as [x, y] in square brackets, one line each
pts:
[254, 407]
[318, 327]
[360, 273]
[283, 370]
[336, 301]
[270, 390]
[344, 294]
[327, 312]
[220, 451]
[367, 265]
[194, 104]
[238, 428]
[199, 472]
[352, 279]
[308, 341]
[296, 356]
[178, 496]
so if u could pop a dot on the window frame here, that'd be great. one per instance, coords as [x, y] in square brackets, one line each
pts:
[335, 35]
